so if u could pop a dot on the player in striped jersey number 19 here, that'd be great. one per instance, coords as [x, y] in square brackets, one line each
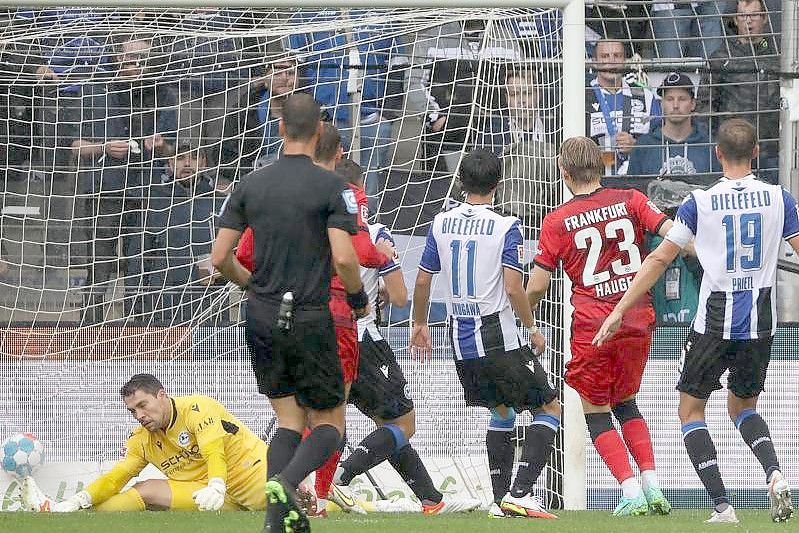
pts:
[480, 254]
[737, 227]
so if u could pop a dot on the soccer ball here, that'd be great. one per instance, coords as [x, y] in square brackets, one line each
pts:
[21, 454]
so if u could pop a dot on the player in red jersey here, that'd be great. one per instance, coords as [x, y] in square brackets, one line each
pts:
[598, 237]
[370, 255]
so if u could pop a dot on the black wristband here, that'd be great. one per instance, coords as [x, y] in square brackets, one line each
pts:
[359, 300]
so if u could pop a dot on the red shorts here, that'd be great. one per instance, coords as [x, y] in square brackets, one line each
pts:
[608, 374]
[346, 337]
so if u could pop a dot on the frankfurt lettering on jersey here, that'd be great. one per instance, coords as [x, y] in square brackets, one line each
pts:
[467, 226]
[595, 215]
[741, 200]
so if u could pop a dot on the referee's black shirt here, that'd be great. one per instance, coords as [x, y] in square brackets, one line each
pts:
[289, 205]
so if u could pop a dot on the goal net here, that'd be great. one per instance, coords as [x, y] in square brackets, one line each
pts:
[122, 132]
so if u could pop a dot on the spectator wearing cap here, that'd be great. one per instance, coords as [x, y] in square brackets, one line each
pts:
[617, 113]
[167, 274]
[252, 139]
[680, 147]
[742, 82]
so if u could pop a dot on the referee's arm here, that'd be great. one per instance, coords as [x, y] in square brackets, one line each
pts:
[225, 261]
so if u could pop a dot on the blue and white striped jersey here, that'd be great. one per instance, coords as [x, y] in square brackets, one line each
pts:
[738, 226]
[470, 245]
[371, 280]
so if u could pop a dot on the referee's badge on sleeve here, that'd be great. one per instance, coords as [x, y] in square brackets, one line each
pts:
[350, 201]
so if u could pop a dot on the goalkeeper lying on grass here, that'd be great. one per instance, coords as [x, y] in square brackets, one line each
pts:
[211, 460]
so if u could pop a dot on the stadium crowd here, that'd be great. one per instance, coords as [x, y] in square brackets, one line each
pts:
[138, 137]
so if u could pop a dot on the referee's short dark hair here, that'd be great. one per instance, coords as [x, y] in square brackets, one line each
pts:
[480, 171]
[301, 116]
[143, 382]
[328, 144]
[736, 140]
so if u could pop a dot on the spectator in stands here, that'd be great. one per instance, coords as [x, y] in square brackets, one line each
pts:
[742, 83]
[680, 147]
[115, 141]
[252, 139]
[687, 29]
[168, 267]
[529, 184]
[16, 105]
[617, 113]
[456, 56]
[328, 66]
[210, 64]
[519, 122]
[626, 21]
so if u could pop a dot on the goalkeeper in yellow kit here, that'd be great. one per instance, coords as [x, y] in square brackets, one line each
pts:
[210, 459]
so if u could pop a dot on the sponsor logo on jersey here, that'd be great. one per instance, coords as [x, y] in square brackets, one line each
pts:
[520, 253]
[183, 438]
[183, 455]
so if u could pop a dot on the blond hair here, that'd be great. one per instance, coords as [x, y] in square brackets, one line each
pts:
[582, 159]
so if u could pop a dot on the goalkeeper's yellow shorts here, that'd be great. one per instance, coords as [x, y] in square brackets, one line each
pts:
[246, 491]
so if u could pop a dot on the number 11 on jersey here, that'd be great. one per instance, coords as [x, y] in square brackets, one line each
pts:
[471, 250]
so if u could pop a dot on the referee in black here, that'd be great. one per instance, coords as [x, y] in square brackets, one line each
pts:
[302, 218]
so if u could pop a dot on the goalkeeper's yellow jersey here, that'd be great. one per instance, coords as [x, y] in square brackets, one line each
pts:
[203, 440]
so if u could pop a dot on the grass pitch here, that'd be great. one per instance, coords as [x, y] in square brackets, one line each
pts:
[569, 522]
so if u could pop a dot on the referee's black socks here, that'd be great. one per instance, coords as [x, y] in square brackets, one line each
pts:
[311, 453]
[755, 433]
[702, 453]
[281, 449]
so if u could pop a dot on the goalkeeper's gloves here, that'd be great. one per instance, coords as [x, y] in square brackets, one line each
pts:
[212, 497]
[81, 500]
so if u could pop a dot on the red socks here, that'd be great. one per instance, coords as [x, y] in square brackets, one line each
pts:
[636, 435]
[614, 454]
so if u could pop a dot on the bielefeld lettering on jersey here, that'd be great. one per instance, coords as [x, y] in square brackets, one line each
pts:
[737, 226]
[470, 245]
[371, 279]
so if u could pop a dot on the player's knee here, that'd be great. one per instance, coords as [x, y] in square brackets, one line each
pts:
[154, 493]
[598, 423]
[552, 408]
[407, 423]
[626, 410]
[736, 406]
[502, 418]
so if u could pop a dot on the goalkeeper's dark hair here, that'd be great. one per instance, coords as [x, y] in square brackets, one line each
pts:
[351, 171]
[141, 382]
[328, 144]
[480, 171]
[301, 116]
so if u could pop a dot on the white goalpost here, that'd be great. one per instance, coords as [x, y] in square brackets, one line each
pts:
[123, 126]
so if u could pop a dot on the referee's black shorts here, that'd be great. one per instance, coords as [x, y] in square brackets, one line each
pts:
[513, 378]
[381, 390]
[302, 362]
